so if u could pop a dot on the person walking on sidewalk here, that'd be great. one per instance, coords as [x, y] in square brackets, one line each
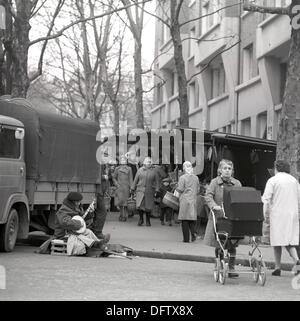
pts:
[146, 184]
[281, 200]
[214, 200]
[122, 178]
[187, 189]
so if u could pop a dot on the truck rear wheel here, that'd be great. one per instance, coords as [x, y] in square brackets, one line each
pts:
[9, 232]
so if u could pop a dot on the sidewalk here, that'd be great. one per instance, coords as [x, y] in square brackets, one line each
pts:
[165, 242]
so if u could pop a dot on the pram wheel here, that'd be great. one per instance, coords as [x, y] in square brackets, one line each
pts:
[217, 270]
[223, 272]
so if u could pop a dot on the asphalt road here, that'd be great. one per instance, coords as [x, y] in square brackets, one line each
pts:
[31, 276]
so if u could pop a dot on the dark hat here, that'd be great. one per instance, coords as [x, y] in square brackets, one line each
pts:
[74, 196]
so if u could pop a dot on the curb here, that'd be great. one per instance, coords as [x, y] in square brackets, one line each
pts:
[204, 259]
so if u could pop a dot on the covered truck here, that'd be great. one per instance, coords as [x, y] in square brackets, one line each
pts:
[43, 157]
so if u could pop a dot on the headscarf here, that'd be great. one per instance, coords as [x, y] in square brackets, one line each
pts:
[187, 167]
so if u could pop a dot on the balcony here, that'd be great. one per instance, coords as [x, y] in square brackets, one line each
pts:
[207, 46]
[165, 55]
[273, 36]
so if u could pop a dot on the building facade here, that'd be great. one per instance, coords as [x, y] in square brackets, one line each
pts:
[236, 66]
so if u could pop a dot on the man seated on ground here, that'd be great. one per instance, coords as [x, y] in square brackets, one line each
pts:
[67, 227]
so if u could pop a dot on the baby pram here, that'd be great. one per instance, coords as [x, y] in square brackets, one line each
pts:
[242, 215]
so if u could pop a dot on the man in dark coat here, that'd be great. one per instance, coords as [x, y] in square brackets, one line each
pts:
[100, 211]
[65, 225]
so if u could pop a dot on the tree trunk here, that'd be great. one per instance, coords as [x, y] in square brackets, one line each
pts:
[20, 79]
[138, 84]
[180, 68]
[289, 128]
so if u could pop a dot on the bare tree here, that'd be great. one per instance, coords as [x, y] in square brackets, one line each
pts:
[289, 127]
[136, 19]
[16, 43]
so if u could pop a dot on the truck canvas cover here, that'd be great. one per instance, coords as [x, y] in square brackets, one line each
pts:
[57, 148]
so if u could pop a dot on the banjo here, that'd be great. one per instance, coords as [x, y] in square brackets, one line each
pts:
[81, 218]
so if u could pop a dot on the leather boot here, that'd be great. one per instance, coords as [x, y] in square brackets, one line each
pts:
[141, 220]
[148, 219]
[231, 263]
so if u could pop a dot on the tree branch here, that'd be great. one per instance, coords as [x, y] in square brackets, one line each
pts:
[60, 32]
[262, 9]
[213, 58]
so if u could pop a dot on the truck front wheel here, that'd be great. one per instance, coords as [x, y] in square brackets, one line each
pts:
[9, 232]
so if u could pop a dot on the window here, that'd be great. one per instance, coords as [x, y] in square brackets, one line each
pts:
[250, 68]
[165, 36]
[246, 127]
[159, 93]
[210, 19]
[218, 81]
[9, 145]
[261, 130]
[192, 96]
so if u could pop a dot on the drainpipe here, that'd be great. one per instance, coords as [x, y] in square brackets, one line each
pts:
[238, 69]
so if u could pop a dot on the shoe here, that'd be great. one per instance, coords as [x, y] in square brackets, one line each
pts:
[193, 238]
[148, 224]
[106, 237]
[296, 268]
[233, 274]
[276, 272]
[99, 244]
[162, 223]
[231, 264]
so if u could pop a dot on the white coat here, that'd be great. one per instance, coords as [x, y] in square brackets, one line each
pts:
[282, 197]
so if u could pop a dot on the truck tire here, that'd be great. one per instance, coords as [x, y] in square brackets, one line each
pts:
[9, 232]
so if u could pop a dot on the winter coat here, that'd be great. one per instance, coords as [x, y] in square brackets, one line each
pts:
[122, 178]
[63, 219]
[213, 197]
[146, 183]
[282, 196]
[188, 187]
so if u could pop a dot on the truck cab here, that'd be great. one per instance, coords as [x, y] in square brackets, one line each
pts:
[13, 201]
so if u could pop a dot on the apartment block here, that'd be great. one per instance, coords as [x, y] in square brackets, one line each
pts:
[235, 63]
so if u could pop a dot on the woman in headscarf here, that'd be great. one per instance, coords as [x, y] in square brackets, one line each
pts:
[188, 187]
[122, 178]
[146, 184]
[214, 200]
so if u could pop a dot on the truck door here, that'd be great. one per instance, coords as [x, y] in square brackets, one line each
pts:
[12, 166]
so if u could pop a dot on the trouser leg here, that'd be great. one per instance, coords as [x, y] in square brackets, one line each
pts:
[148, 219]
[141, 220]
[185, 231]
[100, 217]
[277, 257]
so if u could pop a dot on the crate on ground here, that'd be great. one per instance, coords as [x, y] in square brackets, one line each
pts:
[58, 247]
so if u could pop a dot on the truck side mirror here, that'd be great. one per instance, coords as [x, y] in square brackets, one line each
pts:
[19, 133]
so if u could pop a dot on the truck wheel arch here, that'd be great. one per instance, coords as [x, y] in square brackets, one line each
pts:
[19, 202]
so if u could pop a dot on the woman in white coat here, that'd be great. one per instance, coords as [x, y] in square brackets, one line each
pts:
[281, 207]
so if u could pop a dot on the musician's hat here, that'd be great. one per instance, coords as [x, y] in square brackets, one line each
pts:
[74, 196]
